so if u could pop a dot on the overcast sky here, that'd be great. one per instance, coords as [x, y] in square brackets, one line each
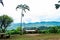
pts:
[40, 10]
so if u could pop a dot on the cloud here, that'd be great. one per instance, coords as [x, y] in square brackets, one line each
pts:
[40, 10]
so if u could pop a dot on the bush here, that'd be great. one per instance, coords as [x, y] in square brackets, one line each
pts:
[11, 32]
[58, 31]
[43, 31]
[18, 30]
[53, 30]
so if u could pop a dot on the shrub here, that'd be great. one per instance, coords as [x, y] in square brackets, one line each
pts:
[42, 31]
[58, 31]
[53, 30]
[13, 31]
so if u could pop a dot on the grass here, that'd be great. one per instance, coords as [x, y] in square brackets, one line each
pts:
[35, 37]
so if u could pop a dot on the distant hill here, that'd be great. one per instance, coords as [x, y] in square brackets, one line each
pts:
[35, 24]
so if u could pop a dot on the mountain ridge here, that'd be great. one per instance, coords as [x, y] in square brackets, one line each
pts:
[35, 24]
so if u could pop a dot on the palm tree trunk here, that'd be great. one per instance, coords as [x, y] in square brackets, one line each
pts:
[21, 20]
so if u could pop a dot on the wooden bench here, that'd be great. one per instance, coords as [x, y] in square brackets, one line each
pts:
[2, 35]
[30, 31]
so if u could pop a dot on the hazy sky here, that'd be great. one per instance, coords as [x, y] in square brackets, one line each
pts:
[40, 10]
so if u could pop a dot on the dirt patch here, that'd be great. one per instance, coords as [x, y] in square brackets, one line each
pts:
[32, 34]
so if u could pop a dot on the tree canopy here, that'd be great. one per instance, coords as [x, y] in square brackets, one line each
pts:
[5, 21]
[23, 7]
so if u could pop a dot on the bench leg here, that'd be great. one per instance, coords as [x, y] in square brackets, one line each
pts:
[2, 36]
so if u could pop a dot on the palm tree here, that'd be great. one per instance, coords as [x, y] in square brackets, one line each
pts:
[1, 2]
[23, 7]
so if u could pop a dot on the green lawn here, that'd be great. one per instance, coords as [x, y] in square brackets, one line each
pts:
[35, 37]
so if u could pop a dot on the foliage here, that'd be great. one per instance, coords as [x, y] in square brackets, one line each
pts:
[11, 32]
[19, 28]
[42, 28]
[1, 1]
[53, 30]
[5, 21]
[58, 31]
[15, 31]
[43, 31]
[23, 7]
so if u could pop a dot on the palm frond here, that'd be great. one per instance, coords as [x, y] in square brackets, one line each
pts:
[19, 6]
[1, 2]
[57, 6]
[23, 7]
[24, 10]
[26, 7]
[58, 1]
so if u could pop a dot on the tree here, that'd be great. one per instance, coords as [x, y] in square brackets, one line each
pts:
[1, 2]
[23, 7]
[5, 21]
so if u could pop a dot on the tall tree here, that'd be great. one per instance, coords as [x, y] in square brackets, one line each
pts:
[1, 1]
[5, 21]
[23, 7]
